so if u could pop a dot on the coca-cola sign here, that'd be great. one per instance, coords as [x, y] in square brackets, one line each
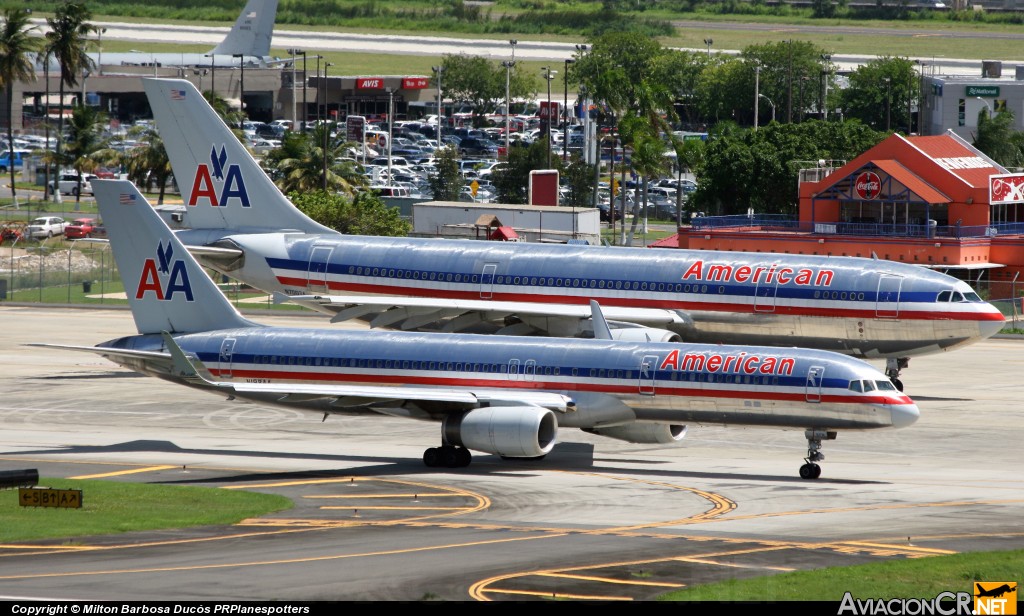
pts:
[867, 185]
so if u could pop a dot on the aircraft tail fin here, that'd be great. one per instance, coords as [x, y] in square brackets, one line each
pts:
[251, 34]
[222, 185]
[167, 290]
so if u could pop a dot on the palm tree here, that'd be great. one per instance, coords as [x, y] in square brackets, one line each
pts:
[148, 162]
[15, 65]
[304, 170]
[86, 146]
[66, 41]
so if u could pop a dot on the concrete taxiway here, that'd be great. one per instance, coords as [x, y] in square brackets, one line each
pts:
[596, 519]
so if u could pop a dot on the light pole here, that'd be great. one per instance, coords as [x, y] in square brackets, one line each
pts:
[548, 76]
[241, 83]
[439, 71]
[888, 103]
[757, 94]
[565, 110]
[708, 42]
[508, 100]
[508, 64]
[318, 90]
[391, 107]
[305, 82]
[825, 72]
[770, 103]
[99, 44]
[326, 125]
[987, 106]
[293, 53]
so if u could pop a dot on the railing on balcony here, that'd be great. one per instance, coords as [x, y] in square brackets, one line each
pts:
[779, 222]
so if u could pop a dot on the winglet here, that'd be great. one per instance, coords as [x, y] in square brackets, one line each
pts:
[601, 329]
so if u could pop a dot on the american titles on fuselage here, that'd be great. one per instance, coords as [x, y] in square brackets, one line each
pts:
[723, 272]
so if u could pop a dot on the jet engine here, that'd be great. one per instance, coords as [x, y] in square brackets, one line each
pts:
[509, 431]
[644, 334]
[645, 433]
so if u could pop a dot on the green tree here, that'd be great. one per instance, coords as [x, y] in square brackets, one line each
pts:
[791, 74]
[511, 181]
[446, 181]
[769, 161]
[66, 41]
[481, 83]
[86, 146]
[579, 177]
[881, 93]
[16, 44]
[362, 214]
[148, 163]
[997, 139]
[303, 169]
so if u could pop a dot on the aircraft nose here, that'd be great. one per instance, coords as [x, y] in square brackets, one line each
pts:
[993, 326]
[904, 415]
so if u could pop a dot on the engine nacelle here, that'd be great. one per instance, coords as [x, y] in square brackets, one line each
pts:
[644, 334]
[510, 431]
[644, 433]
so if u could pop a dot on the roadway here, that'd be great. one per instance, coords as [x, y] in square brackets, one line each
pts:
[596, 519]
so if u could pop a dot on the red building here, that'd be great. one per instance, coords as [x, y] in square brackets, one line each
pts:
[935, 201]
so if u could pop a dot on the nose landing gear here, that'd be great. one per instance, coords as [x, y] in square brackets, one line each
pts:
[810, 469]
[893, 366]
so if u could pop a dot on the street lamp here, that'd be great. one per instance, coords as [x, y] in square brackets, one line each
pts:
[508, 64]
[439, 71]
[770, 103]
[548, 75]
[708, 42]
[99, 43]
[757, 94]
[326, 125]
[241, 83]
[305, 82]
[987, 106]
[391, 105]
[318, 90]
[825, 72]
[293, 53]
[565, 110]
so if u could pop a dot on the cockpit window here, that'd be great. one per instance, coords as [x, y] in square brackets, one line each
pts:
[957, 297]
[885, 386]
[943, 296]
[856, 386]
[973, 297]
[869, 386]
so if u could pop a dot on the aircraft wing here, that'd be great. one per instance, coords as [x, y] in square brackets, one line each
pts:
[118, 356]
[410, 313]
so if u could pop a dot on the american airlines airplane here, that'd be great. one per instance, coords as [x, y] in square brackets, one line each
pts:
[503, 395]
[241, 225]
[248, 43]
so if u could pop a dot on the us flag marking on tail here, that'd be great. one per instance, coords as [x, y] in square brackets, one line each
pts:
[177, 95]
[127, 199]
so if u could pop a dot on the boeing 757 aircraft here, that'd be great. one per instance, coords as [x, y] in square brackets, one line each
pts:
[505, 395]
[248, 43]
[243, 226]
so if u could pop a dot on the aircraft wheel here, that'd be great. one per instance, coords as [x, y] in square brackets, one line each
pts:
[464, 456]
[432, 457]
[898, 383]
[449, 457]
[810, 471]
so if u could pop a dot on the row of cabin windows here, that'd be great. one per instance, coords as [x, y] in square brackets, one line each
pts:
[524, 369]
[839, 295]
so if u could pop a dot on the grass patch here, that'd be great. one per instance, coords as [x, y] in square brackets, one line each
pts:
[917, 578]
[119, 507]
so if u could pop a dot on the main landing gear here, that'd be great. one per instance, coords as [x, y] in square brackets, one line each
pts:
[448, 456]
[893, 365]
[810, 470]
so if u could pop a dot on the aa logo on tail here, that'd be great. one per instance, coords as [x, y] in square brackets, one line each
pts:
[218, 182]
[165, 279]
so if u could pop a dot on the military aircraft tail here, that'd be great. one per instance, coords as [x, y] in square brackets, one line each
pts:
[251, 34]
[166, 288]
[222, 186]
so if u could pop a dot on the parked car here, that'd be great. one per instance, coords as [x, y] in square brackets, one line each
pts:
[67, 183]
[45, 226]
[80, 228]
[19, 159]
[472, 146]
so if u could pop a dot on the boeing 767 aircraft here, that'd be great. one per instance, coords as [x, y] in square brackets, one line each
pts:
[505, 395]
[240, 224]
